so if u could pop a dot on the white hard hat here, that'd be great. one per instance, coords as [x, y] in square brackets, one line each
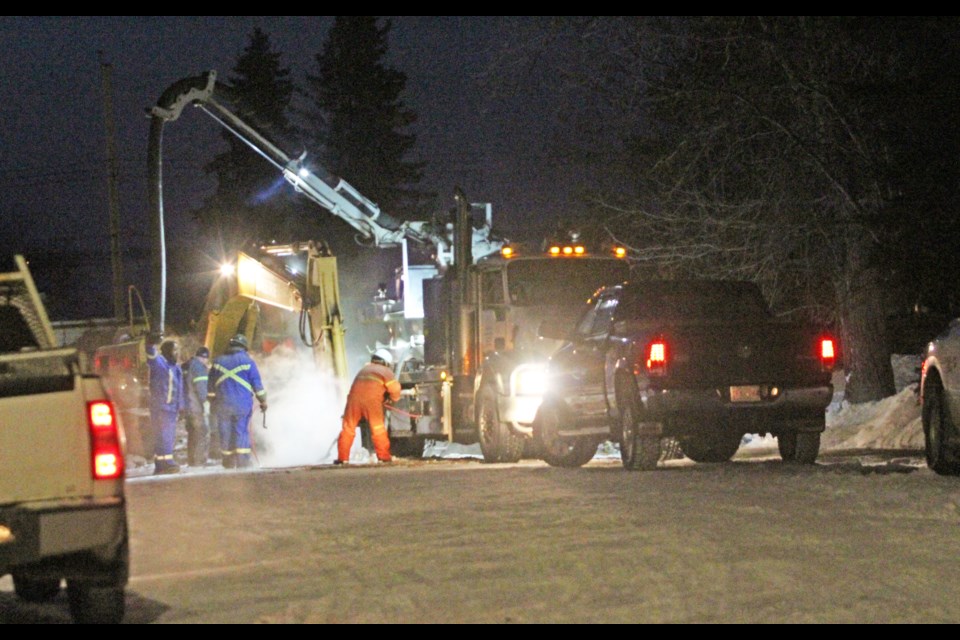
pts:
[384, 354]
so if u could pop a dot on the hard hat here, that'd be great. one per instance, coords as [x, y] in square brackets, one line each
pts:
[384, 354]
[203, 352]
[239, 340]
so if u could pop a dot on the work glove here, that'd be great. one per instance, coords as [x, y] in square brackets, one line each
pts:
[263, 405]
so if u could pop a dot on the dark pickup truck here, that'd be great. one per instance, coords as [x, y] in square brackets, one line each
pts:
[703, 362]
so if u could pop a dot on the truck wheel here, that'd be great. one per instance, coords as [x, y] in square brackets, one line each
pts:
[787, 445]
[95, 604]
[936, 429]
[638, 453]
[558, 452]
[497, 442]
[35, 589]
[714, 447]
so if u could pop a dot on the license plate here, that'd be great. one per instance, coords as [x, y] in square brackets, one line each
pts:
[747, 393]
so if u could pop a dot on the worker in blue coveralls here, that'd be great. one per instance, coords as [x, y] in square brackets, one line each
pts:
[233, 384]
[166, 400]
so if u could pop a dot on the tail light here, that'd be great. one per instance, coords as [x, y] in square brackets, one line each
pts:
[657, 357]
[828, 354]
[105, 446]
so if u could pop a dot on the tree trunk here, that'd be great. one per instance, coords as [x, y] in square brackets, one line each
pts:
[866, 354]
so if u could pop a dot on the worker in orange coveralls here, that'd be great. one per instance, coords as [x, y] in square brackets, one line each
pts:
[373, 385]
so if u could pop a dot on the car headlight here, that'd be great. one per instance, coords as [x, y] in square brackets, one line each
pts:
[529, 380]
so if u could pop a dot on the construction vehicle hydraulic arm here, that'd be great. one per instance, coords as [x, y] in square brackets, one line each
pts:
[331, 192]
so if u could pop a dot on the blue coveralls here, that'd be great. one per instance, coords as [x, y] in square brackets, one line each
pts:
[233, 383]
[166, 403]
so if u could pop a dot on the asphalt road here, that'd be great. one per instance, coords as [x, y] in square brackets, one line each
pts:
[870, 537]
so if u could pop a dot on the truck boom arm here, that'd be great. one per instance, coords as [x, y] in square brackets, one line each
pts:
[330, 192]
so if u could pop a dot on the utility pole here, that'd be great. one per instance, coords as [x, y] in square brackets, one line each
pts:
[112, 192]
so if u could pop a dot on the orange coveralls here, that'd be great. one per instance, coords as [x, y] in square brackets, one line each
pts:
[370, 388]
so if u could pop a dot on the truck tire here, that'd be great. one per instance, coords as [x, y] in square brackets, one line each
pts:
[35, 589]
[712, 447]
[92, 603]
[799, 447]
[497, 442]
[937, 427]
[568, 453]
[638, 453]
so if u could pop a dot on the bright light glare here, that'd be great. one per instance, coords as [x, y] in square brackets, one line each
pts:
[227, 270]
[303, 173]
[530, 381]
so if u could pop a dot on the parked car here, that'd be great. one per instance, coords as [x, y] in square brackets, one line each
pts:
[704, 362]
[940, 401]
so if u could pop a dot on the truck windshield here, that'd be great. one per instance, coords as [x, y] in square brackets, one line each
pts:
[561, 281]
[722, 301]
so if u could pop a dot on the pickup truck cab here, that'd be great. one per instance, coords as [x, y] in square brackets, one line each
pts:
[62, 504]
[702, 362]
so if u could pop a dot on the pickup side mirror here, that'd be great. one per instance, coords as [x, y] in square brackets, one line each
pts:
[554, 328]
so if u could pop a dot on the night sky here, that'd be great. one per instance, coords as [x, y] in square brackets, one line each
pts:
[54, 178]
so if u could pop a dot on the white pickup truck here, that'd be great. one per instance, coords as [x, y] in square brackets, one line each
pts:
[63, 516]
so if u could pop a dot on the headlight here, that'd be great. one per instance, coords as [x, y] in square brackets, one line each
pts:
[529, 380]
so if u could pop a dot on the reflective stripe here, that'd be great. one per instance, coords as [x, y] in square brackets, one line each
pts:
[169, 386]
[373, 378]
[242, 451]
[170, 457]
[201, 378]
[231, 374]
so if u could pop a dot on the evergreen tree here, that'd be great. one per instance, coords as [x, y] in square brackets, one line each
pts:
[356, 98]
[253, 203]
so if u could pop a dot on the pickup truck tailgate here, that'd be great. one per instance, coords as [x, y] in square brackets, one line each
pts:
[42, 408]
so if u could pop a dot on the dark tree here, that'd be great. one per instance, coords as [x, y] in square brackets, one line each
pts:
[798, 152]
[253, 203]
[360, 117]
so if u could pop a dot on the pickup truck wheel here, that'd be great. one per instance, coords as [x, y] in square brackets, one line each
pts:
[808, 447]
[638, 453]
[497, 442]
[715, 447]
[95, 604]
[936, 427]
[558, 452]
[787, 445]
[35, 589]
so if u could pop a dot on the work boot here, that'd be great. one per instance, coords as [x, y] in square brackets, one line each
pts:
[165, 468]
[244, 462]
[229, 462]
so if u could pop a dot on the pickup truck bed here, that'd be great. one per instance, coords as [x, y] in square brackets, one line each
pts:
[62, 502]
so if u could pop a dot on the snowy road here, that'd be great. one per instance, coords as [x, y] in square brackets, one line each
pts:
[852, 539]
